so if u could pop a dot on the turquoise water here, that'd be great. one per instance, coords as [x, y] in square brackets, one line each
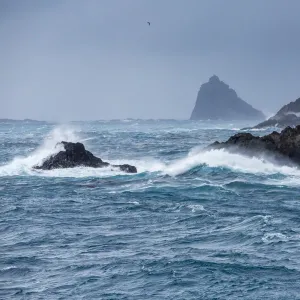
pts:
[189, 225]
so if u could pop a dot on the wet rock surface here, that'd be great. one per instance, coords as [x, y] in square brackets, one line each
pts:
[75, 155]
[284, 146]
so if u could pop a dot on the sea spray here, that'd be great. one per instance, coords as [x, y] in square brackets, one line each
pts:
[222, 158]
[195, 157]
[23, 165]
[219, 230]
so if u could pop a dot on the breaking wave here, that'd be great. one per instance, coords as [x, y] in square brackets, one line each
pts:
[195, 158]
[23, 165]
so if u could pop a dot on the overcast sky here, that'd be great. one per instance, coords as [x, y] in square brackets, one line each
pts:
[99, 59]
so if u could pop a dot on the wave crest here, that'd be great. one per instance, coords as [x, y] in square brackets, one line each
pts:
[195, 158]
[222, 158]
[23, 165]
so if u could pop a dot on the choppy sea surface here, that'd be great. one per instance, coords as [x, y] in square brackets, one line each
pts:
[189, 225]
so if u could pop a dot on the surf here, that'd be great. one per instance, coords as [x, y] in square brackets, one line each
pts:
[195, 158]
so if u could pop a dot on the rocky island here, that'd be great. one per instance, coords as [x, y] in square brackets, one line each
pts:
[288, 115]
[217, 101]
[282, 147]
[75, 155]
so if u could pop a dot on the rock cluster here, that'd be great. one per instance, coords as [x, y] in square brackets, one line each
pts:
[283, 146]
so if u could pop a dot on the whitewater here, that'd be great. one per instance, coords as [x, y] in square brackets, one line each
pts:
[191, 224]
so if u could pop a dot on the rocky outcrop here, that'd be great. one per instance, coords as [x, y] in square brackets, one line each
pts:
[217, 101]
[284, 146]
[75, 155]
[288, 115]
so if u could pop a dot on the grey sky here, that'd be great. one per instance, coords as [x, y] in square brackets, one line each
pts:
[99, 59]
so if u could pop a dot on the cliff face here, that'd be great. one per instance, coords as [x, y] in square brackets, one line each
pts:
[293, 108]
[288, 115]
[217, 101]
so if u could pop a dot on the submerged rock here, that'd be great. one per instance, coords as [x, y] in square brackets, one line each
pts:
[217, 101]
[284, 146]
[75, 155]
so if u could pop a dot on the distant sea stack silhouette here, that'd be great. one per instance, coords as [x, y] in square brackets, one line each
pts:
[217, 101]
[288, 115]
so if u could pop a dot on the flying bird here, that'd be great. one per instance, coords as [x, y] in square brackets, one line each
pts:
[148, 23]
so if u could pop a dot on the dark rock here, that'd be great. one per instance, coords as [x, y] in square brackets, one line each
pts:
[75, 155]
[284, 146]
[126, 168]
[217, 101]
[288, 115]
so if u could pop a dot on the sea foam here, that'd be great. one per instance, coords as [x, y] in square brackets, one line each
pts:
[196, 157]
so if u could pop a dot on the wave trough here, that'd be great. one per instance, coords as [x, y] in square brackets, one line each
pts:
[191, 224]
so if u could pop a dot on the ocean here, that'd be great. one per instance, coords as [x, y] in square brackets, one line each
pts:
[191, 224]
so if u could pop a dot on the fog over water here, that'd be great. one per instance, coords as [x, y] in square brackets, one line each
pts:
[84, 60]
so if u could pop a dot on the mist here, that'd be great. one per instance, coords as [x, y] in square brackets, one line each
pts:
[86, 60]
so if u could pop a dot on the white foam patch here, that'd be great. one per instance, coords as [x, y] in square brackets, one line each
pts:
[196, 157]
[292, 181]
[275, 237]
[143, 165]
[196, 207]
[222, 158]
[23, 165]
[80, 172]
[134, 202]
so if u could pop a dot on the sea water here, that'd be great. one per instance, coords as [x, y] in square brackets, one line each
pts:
[191, 224]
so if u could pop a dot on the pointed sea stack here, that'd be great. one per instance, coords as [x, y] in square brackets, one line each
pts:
[217, 101]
